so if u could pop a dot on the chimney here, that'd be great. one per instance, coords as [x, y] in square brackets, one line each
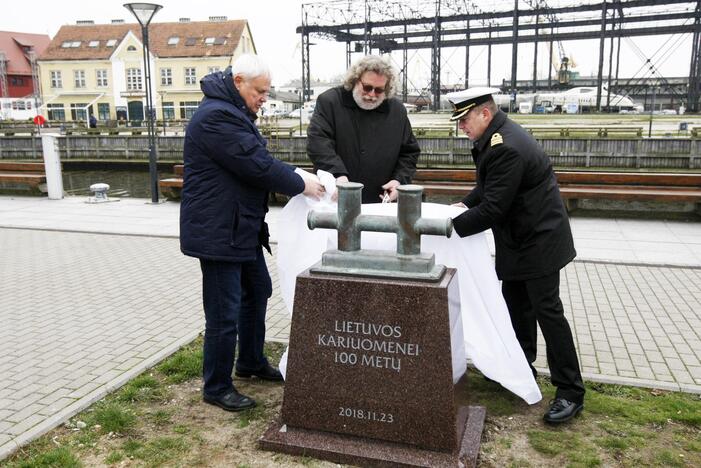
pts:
[117, 21]
[84, 22]
[217, 19]
[184, 20]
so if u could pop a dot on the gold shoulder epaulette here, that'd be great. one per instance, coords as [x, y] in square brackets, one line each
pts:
[496, 140]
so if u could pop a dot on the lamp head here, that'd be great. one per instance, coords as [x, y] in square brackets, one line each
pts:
[144, 12]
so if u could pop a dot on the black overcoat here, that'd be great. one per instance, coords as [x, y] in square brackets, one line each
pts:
[368, 146]
[517, 196]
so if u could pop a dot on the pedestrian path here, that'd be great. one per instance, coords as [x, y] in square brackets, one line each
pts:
[92, 295]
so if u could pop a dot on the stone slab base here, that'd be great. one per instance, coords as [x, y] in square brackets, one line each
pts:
[362, 451]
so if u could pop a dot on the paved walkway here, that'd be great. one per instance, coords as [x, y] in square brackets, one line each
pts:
[92, 295]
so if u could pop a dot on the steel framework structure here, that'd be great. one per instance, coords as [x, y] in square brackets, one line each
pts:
[403, 25]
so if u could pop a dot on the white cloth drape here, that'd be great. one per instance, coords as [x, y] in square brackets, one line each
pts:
[489, 339]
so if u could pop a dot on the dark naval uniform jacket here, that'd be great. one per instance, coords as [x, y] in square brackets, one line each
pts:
[517, 196]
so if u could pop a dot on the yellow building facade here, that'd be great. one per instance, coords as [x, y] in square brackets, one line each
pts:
[99, 69]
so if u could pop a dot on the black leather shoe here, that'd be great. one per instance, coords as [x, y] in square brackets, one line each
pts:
[266, 373]
[562, 410]
[232, 401]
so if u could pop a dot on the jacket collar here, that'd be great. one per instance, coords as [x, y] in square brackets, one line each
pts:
[497, 121]
[348, 101]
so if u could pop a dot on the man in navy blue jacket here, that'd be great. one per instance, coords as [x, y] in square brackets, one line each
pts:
[228, 174]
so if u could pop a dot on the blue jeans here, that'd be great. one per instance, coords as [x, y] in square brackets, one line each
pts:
[235, 297]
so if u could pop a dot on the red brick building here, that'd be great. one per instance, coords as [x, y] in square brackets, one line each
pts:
[16, 85]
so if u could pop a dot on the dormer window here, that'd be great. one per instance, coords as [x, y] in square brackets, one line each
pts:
[111, 43]
[131, 48]
[173, 40]
[209, 41]
[94, 44]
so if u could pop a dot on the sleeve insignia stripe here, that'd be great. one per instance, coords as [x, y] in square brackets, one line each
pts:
[496, 140]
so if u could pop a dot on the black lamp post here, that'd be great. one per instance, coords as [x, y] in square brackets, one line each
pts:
[144, 13]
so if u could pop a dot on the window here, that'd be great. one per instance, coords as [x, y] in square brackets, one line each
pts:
[220, 41]
[134, 79]
[17, 81]
[29, 105]
[66, 44]
[101, 76]
[103, 111]
[173, 40]
[56, 112]
[209, 41]
[78, 112]
[56, 79]
[213, 69]
[166, 77]
[111, 43]
[168, 111]
[75, 44]
[94, 44]
[18, 105]
[190, 76]
[188, 108]
[79, 78]
[131, 48]
[190, 41]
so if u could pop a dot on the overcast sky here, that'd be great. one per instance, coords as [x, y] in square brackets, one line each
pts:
[273, 24]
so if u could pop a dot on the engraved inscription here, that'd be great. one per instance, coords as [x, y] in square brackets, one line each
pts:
[368, 344]
[367, 415]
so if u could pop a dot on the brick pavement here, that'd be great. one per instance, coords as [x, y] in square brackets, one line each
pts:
[81, 314]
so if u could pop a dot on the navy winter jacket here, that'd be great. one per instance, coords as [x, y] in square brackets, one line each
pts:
[228, 174]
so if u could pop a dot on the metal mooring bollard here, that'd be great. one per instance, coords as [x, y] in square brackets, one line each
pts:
[100, 191]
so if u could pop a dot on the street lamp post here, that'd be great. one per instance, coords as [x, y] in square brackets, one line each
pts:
[144, 13]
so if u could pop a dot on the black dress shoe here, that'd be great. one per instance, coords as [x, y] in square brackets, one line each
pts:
[266, 373]
[232, 401]
[562, 410]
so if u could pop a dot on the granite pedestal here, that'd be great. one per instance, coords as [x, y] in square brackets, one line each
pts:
[369, 375]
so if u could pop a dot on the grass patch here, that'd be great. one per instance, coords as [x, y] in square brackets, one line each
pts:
[54, 458]
[247, 417]
[156, 451]
[184, 365]
[112, 416]
[145, 387]
[114, 457]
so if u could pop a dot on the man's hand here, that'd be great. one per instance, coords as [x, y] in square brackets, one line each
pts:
[459, 205]
[339, 180]
[313, 188]
[390, 189]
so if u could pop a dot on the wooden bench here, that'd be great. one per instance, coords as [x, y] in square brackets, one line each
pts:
[574, 185]
[582, 185]
[22, 178]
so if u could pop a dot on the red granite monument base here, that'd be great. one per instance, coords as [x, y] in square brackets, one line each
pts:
[340, 448]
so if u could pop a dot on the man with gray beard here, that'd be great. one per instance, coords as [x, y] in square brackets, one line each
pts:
[361, 133]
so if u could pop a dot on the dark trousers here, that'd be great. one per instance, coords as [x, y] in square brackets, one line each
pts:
[538, 300]
[235, 297]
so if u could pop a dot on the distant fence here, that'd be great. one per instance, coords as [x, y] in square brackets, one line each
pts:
[643, 153]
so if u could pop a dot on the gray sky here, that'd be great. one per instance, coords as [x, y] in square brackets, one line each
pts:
[273, 24]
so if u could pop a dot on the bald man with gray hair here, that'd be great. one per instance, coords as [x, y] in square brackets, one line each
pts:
[228, 175]
[360, 132]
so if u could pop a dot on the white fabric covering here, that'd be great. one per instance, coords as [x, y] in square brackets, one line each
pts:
[489, 339]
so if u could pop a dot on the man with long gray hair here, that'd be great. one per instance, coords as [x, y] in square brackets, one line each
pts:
[361, 133]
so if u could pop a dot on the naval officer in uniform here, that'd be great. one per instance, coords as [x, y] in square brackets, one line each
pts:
[517, 196]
